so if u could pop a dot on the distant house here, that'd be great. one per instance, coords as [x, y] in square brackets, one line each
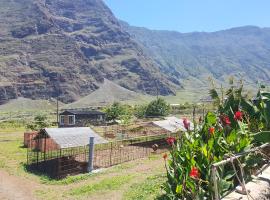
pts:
[80, 118]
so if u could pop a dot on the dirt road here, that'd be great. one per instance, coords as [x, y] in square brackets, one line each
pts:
[14, 188]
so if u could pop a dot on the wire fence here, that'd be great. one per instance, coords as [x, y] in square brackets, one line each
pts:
[44, 155]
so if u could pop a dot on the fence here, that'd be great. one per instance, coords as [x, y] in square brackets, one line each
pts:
[121, 132]
[44, 156]
[217, 178]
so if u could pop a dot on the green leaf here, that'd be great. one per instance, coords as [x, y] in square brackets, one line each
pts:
[179, 189]
[229, 175]
[263, 136]
[204, 150]
[211, 119]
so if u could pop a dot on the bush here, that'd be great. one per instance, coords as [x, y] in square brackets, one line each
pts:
[140, 111]
[157, 108]
[118, 112]
[40, 121]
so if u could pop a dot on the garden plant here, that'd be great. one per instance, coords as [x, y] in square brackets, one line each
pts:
[237, 125]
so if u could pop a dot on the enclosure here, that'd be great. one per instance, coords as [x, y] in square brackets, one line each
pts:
[46, 156]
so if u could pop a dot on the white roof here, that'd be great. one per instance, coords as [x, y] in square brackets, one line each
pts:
[73, 137]
[172, 124]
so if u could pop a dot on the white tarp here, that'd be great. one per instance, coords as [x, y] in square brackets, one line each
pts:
[172, 124]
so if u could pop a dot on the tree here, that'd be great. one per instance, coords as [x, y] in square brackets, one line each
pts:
[40, 121]
[140, 111]
[158, 107]
[114, 111]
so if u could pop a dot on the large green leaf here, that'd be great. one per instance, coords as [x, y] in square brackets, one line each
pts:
[211, 118]
[263, 136]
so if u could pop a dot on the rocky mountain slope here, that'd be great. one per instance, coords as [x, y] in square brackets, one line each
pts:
[242, 52]
[69, 47]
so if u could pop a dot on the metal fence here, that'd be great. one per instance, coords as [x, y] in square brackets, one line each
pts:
[44, 156]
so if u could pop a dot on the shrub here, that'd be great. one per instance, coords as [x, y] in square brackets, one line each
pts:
[119, 112]
[157, 108]
[140, 111]
[40, 121]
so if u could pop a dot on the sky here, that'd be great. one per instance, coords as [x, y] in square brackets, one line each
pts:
[192, 15]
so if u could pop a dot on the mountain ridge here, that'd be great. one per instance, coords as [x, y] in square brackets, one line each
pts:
[242, 52]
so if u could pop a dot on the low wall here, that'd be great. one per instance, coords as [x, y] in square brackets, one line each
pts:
[259, 188]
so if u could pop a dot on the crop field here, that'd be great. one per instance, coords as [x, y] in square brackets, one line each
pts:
[139, 179]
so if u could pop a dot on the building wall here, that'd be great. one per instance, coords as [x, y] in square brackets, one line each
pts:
[83, 121]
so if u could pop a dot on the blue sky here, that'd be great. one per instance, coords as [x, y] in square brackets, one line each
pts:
[192, 15]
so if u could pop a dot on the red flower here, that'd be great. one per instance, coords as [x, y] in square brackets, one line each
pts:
[212, 130]
[194, 173]
[165, 156]
[171, 140]
[186, 124]
[226, 120]
[238, 116]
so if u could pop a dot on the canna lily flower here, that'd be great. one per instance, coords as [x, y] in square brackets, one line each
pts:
[186, 124]
[170, 140]
[212, 130]
[238, 116]
[226, 120]
[165, 156]
[194, 173]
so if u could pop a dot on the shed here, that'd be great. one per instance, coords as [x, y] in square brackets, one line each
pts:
[73, 137]
[172, 124]
[81, 118]
[59, 152]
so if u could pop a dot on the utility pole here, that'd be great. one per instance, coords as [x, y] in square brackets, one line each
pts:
[157, 90]
[57, 100]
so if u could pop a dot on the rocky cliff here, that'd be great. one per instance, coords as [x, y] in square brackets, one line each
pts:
[66, 47]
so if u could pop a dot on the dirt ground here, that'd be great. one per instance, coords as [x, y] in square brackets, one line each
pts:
[13, 187]
[127, 181]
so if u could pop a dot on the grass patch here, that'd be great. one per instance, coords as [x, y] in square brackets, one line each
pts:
[106, 184]
[66, 181]
[47, 194]
[2, 164]
[148, 190]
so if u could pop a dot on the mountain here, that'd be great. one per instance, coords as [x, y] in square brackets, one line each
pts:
[66, 47]
[107, 93]
[242, 52]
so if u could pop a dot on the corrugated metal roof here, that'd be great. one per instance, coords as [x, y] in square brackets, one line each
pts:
[73, 137]
[82, 112]
[172, 124]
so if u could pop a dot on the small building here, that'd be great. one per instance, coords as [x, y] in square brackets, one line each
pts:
[81, 118]
[58, 152]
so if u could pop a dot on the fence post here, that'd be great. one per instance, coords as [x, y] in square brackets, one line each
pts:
[111, 155]
[91, 154]
[214, 179]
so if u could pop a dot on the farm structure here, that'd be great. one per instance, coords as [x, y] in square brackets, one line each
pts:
[81, 118]
[152, 128]
[58, 152]
[172, 124]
